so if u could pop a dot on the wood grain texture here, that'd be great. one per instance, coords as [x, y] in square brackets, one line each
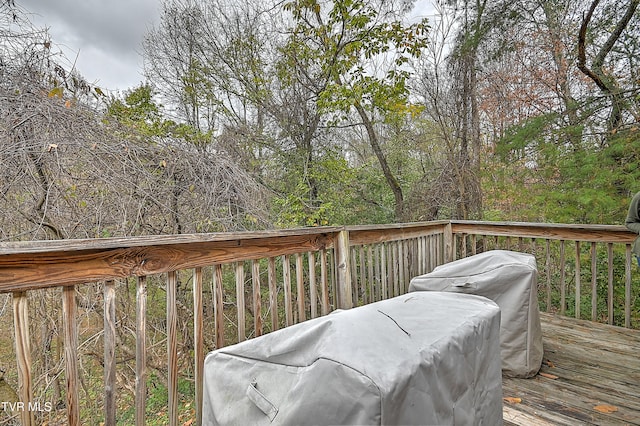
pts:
[257, 301]
[198, 337]
[273, 293]
[343, 270]
[70, 325]
[218, 305]
[240, 303]
[324, 283]
[286, 282]
[375, 234]
[300, 291]
[593, 365]
[578, 284]
[110, 391]
[23, 354]
[313, 288]
[172, 347]
[141, 350]
[572, 232]
[40, 269]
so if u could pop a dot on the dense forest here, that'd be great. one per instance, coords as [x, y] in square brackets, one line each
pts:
[304, 113]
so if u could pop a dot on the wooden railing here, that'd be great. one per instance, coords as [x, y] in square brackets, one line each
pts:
[218, 289]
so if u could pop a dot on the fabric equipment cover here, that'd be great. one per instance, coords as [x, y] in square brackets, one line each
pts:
[510, 279]
[417, 359]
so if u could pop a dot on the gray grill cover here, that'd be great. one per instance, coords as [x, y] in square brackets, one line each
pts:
[510, 279]
[418, 359]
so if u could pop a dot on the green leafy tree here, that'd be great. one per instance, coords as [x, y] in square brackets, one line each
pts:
[333, 48]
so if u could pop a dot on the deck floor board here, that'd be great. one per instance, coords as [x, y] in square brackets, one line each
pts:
[588, 369]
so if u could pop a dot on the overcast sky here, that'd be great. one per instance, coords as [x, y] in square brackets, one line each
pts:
[106, 35]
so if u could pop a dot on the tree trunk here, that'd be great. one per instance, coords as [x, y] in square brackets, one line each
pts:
[382, 159]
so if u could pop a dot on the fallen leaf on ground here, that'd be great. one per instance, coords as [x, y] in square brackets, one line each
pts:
[512, 400]
[549, 363]
[549, 376]
[605, 408]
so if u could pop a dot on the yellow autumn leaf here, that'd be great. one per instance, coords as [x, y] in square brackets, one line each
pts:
[605, 409]
[56, 92]
[512, 400]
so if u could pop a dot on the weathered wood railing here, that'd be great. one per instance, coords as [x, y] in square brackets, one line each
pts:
[246, 284]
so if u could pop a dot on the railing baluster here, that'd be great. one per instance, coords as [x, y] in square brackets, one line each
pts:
[363, 277]
[172, 346]
[594, 282]
[627, 287]
[383, 272]
[392, 263]
[548, 272]
[324, 280]
[23, 354]
[377, 281]
[313, 290]
[302, 316]
[273, 293]
[563, 296]
[141, 350]
[402, 258]
[370, 275]
[240, 305]
[578, 281]
[198, 337]
[286, 278]
[70, 324]
[474, 249]
[355, 296]
[257, 301]
[610, 283]
[109, 353]
[219, 306]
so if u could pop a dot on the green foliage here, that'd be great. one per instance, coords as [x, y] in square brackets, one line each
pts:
[139, 111]
[542, 174]
[338, 199]
[342, 41]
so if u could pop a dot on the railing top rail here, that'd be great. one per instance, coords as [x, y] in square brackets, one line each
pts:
[26, 266]
[42, 246]
[408, 225]
[40, 264]
[371, 234]
[552, 231]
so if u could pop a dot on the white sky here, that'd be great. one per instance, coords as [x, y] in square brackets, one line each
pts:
[106, 35]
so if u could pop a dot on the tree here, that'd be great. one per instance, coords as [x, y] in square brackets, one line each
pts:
[607, 82]
[333, 47]
[560, 145]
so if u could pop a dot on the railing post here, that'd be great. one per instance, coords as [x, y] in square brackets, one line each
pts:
[448, 243]
[343, 270]
[23, 354]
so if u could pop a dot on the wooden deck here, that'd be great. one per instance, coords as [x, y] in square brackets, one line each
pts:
[590, 375]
